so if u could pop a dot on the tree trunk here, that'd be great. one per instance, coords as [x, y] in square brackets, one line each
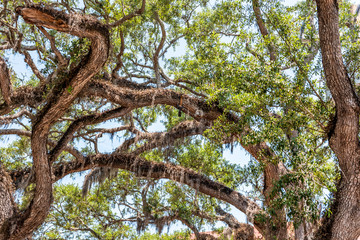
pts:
[277, 226]
[346, 222]
[343, 135]
[305, 231]
[7, 204]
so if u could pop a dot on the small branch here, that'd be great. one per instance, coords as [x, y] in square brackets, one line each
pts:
[191, 226]
[229, 34]
[119, 63]
[158, 49]
[113, 130]
[33, 67]
[60, 58]
[86, 229]
[182, 130]
[170, 44]
[159, 139]
[180, 85]
[8, 119]
[73, 151]
[3, 11]
[228, 218]
[255, 54]
[129, 16]
[263, 30]
[5, 46]
[83, 121]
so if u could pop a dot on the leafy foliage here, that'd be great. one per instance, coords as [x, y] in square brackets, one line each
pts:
[214, 53]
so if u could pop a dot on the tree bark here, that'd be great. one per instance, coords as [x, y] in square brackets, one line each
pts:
[58, 101]
[5, 83]
[277, 227]
[7, 204]
[157, 170]
[343, 136]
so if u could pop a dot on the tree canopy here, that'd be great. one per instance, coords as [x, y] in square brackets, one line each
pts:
[277, 81]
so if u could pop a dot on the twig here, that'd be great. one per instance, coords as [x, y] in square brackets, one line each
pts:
[61, 59]
[129, 16]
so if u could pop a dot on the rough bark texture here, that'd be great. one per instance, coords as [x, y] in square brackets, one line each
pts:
[7, 204]
[79, 82]
[201, 111]
[131, 98]
[244, 232]
[156, 170]
[57, 103]
[305, 231]
[5, 83]
[277, 229]
[344, 135]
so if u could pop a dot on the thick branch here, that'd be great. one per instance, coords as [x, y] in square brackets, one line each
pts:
[194, 107]
[143, 168]
[343, 136]
[134, 97]
[27, 95]
[57, 102]
[160, 139]
[7, 203]
[129, 97]
[5, 84]
[344, 139]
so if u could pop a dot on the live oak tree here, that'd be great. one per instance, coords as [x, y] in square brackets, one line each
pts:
[279, 81]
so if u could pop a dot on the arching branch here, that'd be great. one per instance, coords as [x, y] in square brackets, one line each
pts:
[156, 170]
[81, 122]
[57, 103]
[160, 139]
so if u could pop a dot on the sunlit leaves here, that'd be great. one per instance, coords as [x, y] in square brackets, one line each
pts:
[215, 51]
[17, 155]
